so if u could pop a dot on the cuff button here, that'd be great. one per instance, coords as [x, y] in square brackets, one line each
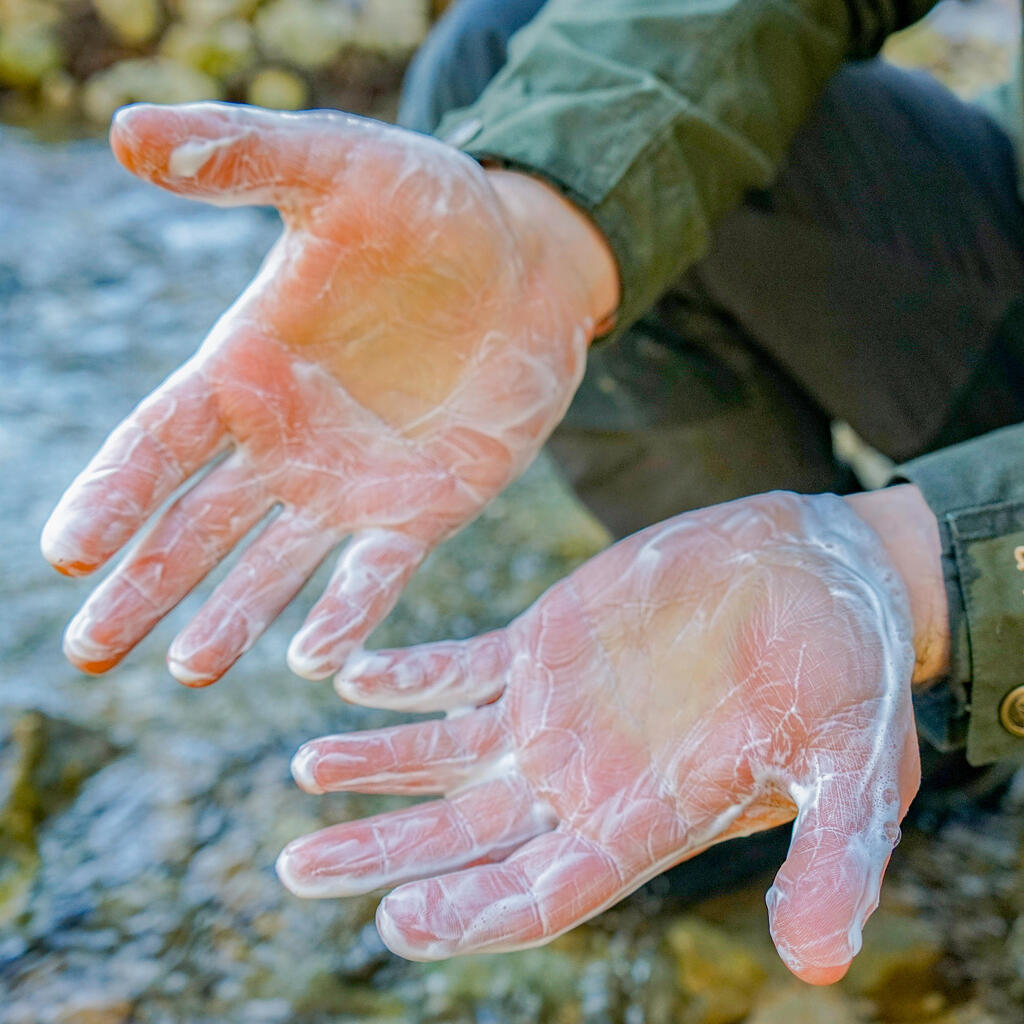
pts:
[1011, 712]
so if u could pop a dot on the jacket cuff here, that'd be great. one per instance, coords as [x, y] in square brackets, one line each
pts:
[619, 203]
[976, 490]
[654, 119]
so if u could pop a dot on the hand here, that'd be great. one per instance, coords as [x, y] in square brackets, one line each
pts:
[409, 343]
[720, 673]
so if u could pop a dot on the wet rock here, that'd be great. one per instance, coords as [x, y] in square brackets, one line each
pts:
[94, 1009]
[898, 967]
[527, 985]
[970, 1013]
[278, 89]
[718, 978]
[308, 33]
[311, 33]
[132, 22]
[803, 1004]
[148, 80]
[43, 762]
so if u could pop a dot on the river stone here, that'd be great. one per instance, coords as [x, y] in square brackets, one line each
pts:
[133, 22]
[95, 1009]
[309, 33]
[145, 79]
[278, 89]
[897, 968]
[28, 51]
[43, 762]
[58, 91]
[804, 1004]
[220, 49]
[206, 12]
[388, 26]
[718, 977]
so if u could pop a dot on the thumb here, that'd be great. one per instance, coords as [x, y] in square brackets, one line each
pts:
[235, 155]
[829, 884]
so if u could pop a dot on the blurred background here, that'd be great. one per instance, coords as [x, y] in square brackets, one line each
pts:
[139, 821]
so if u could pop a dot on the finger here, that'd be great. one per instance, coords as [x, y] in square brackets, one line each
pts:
[371, 574]
[195, 533]
[269, 574]
[553, 883]
[480, 824]
[235, 155]
[173, 433]
[426, 757]
[829, 885]
[432, 677]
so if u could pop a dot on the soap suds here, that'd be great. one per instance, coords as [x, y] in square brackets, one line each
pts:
[189, 158]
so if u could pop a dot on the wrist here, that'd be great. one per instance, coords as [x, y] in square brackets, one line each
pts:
[909, 533]
[554, 230]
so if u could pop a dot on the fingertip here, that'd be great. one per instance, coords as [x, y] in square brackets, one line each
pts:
[309, 664]
[64, 557]
[74, 570]
[303, 874]
[814, 952]
[303, 768]
[124, 126]
[350, 684]
[284, 867]
[821, 975]
[84, 651]
[140, 137]
[188, 675]
[403, 932]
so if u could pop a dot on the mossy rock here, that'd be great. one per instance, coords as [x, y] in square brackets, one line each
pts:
[43, 763]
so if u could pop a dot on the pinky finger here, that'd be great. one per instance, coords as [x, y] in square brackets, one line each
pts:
[551, 884]
[442, 676]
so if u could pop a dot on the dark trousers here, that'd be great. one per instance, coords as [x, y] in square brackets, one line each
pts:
[871, 284]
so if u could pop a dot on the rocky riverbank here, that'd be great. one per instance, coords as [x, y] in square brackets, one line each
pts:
[72, 59]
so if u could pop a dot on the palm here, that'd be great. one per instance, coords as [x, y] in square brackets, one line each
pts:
[707, 678]
[389, 370]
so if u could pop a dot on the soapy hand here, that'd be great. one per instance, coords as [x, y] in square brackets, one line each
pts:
[712, 676]
[404, 351]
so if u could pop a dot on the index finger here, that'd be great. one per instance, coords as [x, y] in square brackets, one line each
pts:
[169, 436]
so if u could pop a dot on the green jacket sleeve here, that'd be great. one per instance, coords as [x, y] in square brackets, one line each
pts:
[976, 490]
[656, 118]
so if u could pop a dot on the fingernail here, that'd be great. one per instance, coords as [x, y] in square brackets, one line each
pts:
[309, 659]
[301, 872]
[57, 550]
[401, 923]
[83, 651]
[187, 675]
[303, 768]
